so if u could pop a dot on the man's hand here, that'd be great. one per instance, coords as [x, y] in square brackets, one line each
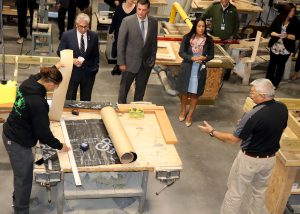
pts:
[122, 68]
[206, 127]
[77, 62]
[65, 148]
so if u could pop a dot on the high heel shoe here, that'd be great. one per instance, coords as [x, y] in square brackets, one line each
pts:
[181, 119]
[188, 124]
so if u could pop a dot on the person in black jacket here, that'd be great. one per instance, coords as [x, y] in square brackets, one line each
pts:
[125, 9]
[28, 123]
[196, 49]
[284, 32]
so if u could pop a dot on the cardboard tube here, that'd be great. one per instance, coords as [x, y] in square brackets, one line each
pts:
[59, 95]
[118, 135]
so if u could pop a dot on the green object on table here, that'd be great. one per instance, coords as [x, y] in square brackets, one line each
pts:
[136, 113]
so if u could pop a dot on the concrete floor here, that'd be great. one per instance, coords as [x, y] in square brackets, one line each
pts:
[206, 161]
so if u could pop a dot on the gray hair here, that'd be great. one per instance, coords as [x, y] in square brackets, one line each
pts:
[264, 86]
[84, 17]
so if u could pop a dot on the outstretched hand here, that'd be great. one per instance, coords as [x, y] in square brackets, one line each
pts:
[205, 127]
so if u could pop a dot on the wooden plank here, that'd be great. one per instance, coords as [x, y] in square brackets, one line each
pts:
[103, 193]
[292, 145]
[280, 186]
[35, 60]
[165, 51]
[70, 153]
[166, 127]
[294, 124]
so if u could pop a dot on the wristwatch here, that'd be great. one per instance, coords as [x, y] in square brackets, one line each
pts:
[211, 133]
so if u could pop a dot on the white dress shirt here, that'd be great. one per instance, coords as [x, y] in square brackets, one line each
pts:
[84, 39]
[145, 25]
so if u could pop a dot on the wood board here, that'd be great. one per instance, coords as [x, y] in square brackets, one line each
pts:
[165, 51]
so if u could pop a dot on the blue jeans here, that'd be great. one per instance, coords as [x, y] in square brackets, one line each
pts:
[21, 159]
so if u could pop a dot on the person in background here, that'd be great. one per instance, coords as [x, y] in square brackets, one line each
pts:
[22, 7]
[125, 9]
[27, 124]
[196, 49]
[295, 74]
[225, 19]
[65, 6]
[284, 32]
[85, 46]
[113, 4]
[225, 23]
[259, 133]
[137, 46]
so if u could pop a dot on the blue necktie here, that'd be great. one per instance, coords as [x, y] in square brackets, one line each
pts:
[143, 29]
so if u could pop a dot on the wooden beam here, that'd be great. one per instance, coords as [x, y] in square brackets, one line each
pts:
[70, 153]
[166, 127]
[35, 60]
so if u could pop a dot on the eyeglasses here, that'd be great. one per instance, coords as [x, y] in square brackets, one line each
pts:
[82, 27]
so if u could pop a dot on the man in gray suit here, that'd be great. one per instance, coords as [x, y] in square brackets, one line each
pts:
[137, 46]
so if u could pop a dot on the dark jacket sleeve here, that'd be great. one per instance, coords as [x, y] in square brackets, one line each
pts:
[40, 122]
[210, 53]
[62, 45]
[236, 23]
[183, 51]
[154, 46]
[94, 67]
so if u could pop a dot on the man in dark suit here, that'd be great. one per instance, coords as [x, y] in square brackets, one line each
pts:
[84, 44]
[137, 46]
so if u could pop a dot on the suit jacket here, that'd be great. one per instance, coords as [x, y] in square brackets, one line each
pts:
[69, 41]
[132, 51]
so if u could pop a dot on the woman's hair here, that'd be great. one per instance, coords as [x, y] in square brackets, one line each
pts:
[51, 74]
[286, 9]
[194, 28]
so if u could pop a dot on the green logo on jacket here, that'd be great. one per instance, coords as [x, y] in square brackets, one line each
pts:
[19, 103]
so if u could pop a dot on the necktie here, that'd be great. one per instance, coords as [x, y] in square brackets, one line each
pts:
[143, 29]
[82, 48]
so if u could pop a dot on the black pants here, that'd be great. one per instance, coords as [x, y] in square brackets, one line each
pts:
[83, 79]
[276, 67]
[62, 15]
[22, 7]
[297, 65]
[21, 159]
[141, 80]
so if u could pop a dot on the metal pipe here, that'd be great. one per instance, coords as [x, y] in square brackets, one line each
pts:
[176, 7]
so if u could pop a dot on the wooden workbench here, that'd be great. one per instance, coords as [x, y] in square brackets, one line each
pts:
[242, 6]
[118, 180]
[287, 161]
[214, 72]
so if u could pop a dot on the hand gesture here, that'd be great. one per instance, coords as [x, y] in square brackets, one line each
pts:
[206, 127]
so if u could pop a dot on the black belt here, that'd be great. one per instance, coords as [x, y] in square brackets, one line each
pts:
[253, 155]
